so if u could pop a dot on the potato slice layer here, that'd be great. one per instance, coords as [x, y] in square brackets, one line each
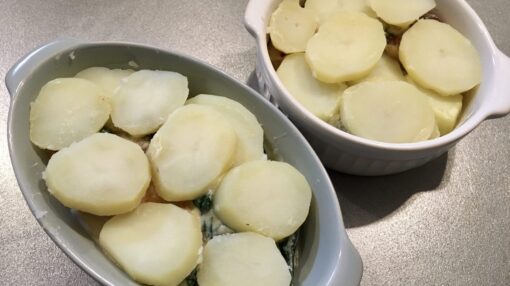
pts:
[247, 259]
[387, 111]
[387, 68]
[250, 136]
[291, 26]
[440, 58]
[103, 175]
[346, 47]
[327, 8]
[401, 12]
[194, 146]
[446, 108]
[435, 133]
[108, 79]
[146, 98]
[319, 98]
[156, 244]
[66, 111]
[268, 197]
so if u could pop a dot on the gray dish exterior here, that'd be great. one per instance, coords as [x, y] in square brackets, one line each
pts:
[328, 257]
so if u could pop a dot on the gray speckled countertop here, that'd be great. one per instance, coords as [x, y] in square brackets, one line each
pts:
[446, 223]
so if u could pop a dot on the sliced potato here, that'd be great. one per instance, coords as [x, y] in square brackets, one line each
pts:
[401, 13]
[440, 58]
[144, 100]
[327, 8]
[194, 146]
[387, 111]
[321, 99]
[250, 136]
[108, 79]
[446, 108]
[387, 68]
[247, 259]
[268, 197]
[156, 244]
[103, 175]
[66, 111]
[291, 26]
[435, 133]
[346, 47]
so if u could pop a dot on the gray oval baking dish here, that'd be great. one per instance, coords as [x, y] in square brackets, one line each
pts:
[327, 256]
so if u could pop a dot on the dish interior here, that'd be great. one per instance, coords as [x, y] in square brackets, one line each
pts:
[464, 19]
[59, 222]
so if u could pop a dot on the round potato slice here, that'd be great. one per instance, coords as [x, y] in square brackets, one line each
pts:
[103, 175]
[267, 197]
[387, 111]
[327, 8]
[108, 79]
[190, 151]
[156, 244]
[66, 111]
[250, 136]
[346, 47]
[291, 26]
[247, 259]
[401, 12]
[321, 99]
[387, 68]
[440, 58]
[146, 98]
[447, 109]
[435, 133]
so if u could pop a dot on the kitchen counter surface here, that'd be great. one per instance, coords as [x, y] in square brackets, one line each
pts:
[446, 223]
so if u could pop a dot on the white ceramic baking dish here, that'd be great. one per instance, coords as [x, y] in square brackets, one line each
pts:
[347, 153]
[328, 258]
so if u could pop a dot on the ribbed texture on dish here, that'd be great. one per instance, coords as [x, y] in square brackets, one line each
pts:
[357, 165]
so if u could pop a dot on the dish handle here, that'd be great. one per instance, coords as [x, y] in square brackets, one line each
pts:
[349, 267]
[254, 16]
[18, 73]
[500, 105]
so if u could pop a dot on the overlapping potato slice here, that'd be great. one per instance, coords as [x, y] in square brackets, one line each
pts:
[194, 146]
[144, 100]
[327, 8]
[401, 13]
[440, 58]
[446, 108]
[156, 244]
[103, 175]
[387, 68]
[346, 47]
[250, 136]
[108, 79]
[387, 111]
[291, 26]
[319, 98]
[435, 133]
[268, 197]
[247, 259]
[66, 111]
